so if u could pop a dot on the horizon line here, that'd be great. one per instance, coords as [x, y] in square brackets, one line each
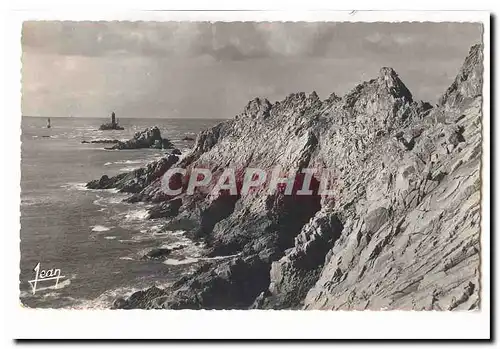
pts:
[123, 117]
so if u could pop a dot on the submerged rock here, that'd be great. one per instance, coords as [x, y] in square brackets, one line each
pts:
[149, 138]
[101, 141]
[157, 254]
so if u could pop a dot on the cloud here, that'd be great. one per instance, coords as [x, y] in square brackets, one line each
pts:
[202, 69]
[221, 40]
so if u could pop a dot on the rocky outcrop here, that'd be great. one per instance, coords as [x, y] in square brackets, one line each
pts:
[137, 180]
[399, 231]
[101, 141]
[110, 126]
[161, 253]
[113, 125]
[149, 138]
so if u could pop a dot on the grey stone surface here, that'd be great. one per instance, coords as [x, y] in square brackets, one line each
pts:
[149, 138]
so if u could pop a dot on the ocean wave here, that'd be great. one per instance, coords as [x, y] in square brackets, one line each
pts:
[175, 245]
[128, 169]
[171, 261]
[138, 238]
[83, 187]
[100, 228]
[126, 258]
[137, 215]
[105, 201]
[191, 260]
[130, 162]
[106, 299]
[75, 186]
[51, 295]
[110, 237]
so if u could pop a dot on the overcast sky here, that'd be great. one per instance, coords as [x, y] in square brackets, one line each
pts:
[210, 70]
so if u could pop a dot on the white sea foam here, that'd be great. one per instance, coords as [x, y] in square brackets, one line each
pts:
[124, 162]
[112, 190]
[106, 299]
[110, 237]
[111, 200]
[100, 228]
[75, 186]
[137, 215]
[220, 257]
[126, 258]
[171, 261]
[51, 295]
[128, 169]
[190, 260]
[175, 245]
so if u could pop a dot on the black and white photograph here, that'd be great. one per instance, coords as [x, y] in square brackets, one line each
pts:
[259, 165]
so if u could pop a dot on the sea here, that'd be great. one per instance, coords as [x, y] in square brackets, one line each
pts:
[92, 238]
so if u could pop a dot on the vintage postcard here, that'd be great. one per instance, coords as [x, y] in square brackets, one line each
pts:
[209, 164]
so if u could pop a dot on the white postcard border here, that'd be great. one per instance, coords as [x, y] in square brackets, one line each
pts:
[122, 324]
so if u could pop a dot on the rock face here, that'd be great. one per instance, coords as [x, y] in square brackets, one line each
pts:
[135, 181]
[400, 232]
[149, 138]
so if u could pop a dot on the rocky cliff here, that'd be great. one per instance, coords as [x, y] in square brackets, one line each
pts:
[401, 230]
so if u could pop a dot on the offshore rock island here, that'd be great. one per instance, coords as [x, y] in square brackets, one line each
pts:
[401, 232]
[113, 125]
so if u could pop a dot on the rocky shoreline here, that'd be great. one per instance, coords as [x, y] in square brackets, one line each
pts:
[401, 232]
[149, 138]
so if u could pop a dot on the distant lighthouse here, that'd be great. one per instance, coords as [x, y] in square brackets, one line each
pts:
[113, 119]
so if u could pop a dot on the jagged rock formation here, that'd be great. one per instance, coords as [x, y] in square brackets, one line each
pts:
[413, 242]
[110, 126]
[137, 180]
[400, 232]
[149, 138]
